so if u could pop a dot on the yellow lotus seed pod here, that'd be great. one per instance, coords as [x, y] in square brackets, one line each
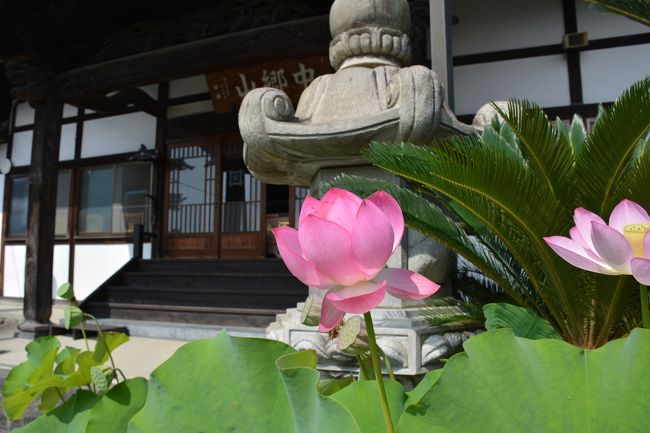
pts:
[635, 233]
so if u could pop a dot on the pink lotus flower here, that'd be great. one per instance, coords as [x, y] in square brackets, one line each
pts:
[622, 247]
[342, 246]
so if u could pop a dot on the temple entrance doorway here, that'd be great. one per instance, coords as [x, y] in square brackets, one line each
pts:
[214, 208]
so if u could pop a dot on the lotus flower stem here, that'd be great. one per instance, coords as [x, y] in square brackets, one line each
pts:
[389, 369]
[645, 309]
[83, 332]
[376, 365]
[101, 337]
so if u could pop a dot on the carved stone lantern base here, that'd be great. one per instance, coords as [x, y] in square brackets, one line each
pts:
[412, 350]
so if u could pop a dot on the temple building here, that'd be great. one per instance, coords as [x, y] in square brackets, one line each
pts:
[121, 162]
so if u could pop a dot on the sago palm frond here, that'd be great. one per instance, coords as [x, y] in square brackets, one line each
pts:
[497, 187]
[609, 150]
[617, 302]
[637, 10]
[635, 181]
[443, 311]
[547, 149]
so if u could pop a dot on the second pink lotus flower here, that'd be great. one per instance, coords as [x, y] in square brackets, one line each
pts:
[620, 247]
[342, 245]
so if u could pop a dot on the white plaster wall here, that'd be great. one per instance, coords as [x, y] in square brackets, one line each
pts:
[67, 143]
[191, 108]
[24, 114]
[607, 73]
[61, 267]
[498, 25]
[543, 80]
[605, 26]
[188, 86]
[14, 271]
[69, 111]
[118, 134]
[21, 153]
[151, 90]
[94, 264]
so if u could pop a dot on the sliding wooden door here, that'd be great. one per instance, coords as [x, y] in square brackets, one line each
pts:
[214, 206]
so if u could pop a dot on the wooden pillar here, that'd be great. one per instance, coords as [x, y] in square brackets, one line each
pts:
[160, 179]
[43, 173]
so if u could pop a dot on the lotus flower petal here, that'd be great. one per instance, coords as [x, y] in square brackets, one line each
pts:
[583, 219]
[358, 298]
[329, 247]
[573, 253]
[587, 247]
[406, 284]
[612, 246]
[342, 211]
[391, 209]
[627, 212]
[372, 239]
[339, 206]
[330, 316]
[291, 252]
[641, 270]
[646, 245]
[309, 206]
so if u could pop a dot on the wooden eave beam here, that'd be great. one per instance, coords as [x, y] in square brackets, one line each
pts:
[295, 38]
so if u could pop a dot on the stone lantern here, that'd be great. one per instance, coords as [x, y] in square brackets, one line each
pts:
[373, 95]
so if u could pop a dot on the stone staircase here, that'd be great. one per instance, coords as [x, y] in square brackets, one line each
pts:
[244, 293]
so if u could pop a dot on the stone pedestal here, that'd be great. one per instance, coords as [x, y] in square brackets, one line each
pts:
[412, 346]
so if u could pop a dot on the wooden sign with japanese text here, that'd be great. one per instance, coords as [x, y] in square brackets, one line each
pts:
[228, 87]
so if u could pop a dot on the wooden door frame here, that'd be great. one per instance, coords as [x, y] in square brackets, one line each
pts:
[260, 251]
[214, 140]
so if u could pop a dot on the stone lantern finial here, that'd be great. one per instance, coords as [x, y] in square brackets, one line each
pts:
[370, 33]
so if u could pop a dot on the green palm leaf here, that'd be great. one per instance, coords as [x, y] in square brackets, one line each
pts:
[637, 10]
[480, 178]
[609, 152]
[524, 323]
[547, 149]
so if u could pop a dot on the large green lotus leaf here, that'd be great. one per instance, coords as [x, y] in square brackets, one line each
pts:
[362, 400]
[113, 412]
[312, 412]
[523, 322]
[423, 387]
[41, 354]
[71, 417]
[503, 383]
[224, 384]
[86, 412]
